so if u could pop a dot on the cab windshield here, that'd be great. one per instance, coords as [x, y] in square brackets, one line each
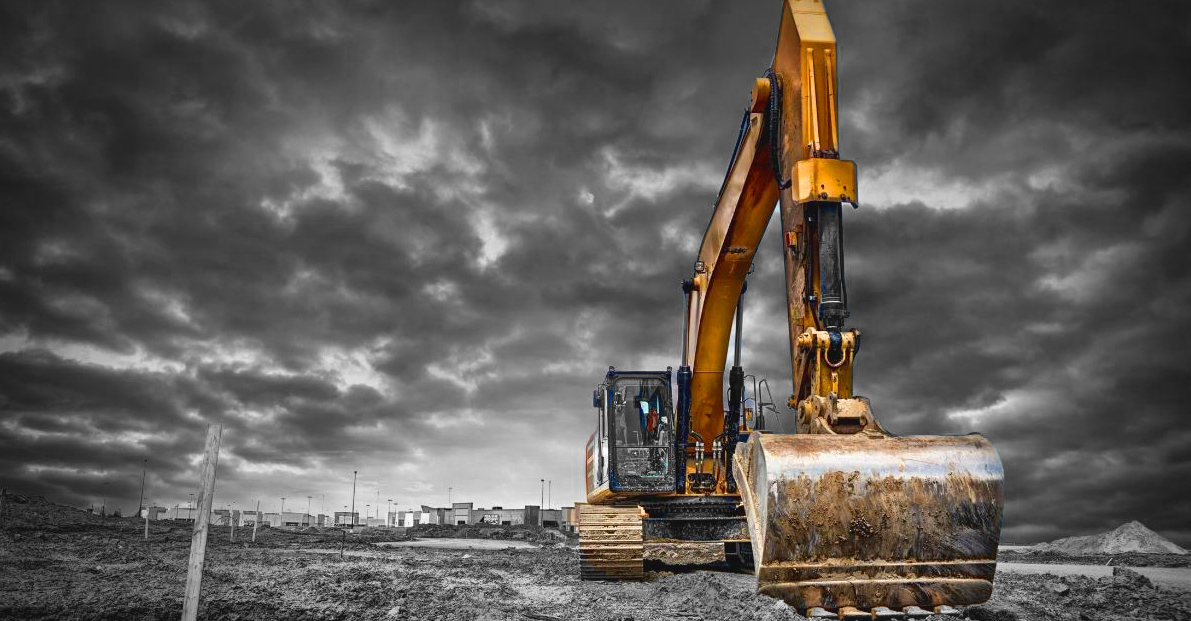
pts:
[640, 412]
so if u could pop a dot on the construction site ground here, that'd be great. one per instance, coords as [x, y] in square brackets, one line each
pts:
[102, 568]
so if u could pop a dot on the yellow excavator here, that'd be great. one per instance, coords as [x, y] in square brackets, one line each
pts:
[841, 518]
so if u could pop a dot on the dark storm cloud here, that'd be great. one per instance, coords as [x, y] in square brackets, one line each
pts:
[404, 238]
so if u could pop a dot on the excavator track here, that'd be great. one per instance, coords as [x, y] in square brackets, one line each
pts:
[611, 545]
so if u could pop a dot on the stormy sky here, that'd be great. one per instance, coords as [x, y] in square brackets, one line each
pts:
[407, 238]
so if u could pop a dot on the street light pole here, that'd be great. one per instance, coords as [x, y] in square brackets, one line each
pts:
[388, 511]
[353, 514]
[141, 502]
[550, 493]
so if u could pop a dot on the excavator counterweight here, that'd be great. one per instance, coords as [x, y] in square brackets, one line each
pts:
[842, 515]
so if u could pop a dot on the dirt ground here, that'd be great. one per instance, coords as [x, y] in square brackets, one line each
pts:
[102, 568]
[1131, 559]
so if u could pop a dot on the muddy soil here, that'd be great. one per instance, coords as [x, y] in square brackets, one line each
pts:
[519, 532]
[105, 570]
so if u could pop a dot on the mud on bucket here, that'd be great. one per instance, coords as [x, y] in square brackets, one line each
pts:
[860, 521]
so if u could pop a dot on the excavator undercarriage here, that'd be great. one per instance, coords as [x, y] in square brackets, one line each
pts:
[840, 518]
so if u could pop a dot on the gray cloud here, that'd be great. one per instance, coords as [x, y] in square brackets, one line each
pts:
[406, 240]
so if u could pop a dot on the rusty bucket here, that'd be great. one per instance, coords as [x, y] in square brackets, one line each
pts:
[855, 520]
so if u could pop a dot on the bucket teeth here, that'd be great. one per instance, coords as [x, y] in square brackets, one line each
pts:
[947, 610]
[878, 612]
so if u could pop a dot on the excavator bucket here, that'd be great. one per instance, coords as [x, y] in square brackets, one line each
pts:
[866, 521]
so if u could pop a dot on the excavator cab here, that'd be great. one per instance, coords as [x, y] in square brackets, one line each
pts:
[632, 449]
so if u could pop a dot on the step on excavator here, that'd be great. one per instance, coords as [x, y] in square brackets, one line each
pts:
[841, 519]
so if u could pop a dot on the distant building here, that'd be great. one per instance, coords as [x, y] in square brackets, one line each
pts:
[458, 514]
[408, 518]
[178, 512]
[461, 513]
[290, 519]
[153, 513]
[466, 514]
[552, 518]
[225, 517]
[499, 516]
[436, 515]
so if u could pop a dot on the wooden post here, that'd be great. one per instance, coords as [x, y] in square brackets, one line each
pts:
[198, 539]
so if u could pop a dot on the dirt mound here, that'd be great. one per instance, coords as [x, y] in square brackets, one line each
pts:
[519, 532]
[35, 512]
[1126, 538]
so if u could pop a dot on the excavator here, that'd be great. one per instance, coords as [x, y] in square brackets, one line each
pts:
[842, 518]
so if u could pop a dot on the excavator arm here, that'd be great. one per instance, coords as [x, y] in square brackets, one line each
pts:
[841, 514]
[787, 149]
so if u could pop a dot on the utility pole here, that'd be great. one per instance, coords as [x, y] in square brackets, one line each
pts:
[198, 540]
[190, 509]
[141, 503]
[103, 510]
[256, 520]
[281, 515]
[541, 506]
[449, 497]
[550, 493]
[353, 513]
[308, 516]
